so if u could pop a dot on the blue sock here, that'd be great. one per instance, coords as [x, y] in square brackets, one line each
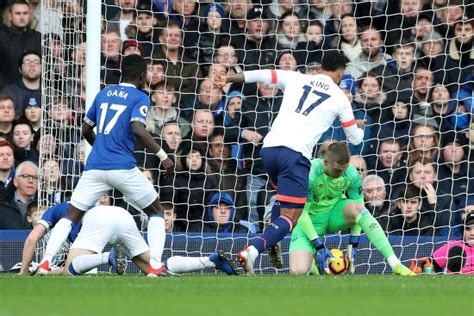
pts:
[275, 232]
[275, 211]
[72, 271]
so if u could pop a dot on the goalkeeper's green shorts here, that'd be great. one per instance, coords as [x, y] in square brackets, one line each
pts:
[324, 222]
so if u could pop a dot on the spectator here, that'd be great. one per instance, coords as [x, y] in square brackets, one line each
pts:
[424, 140]
[399, 25]
[442, 108]
[164, 110]
[52, 192]
[130, 47]
[448, 14]
[171, 134]
[7, 170]
[47, 146]
[276, 9]
[185, 14]
[395, 122]
[211, 33]
[169, 216]
[222, 169]
[406, 219]
[435, 204]
[202, 127]
[181, 71]
[389, 164]
[26, 184]
[421, 86]
[144, 30]
[11, 218]
[192, 189]
[458, 63]
[237, 12]
[458, 256]
[453, 167]
[16, 39]
[30, 70]
[310, 50]
[258, 47]
[286, 61]
[348, 41]
[227, 57]
[360, 164]
[210, 97]
[33, 214]
[221, 215]
[155, 74]
[422, 31]
[376, 199]
[22, 141]
[432, 47]
[111, 47]
[371, 56]
[290, 31]
[398, 73]
[125, 15]
[7, 116]
[338, 9]
[32, 111]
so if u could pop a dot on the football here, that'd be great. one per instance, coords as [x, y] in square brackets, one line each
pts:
[340, 263]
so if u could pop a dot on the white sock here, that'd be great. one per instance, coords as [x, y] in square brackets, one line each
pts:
[179, 264]
[253, 252]
[84, 263]
[57, 238]
[156, 240]
[393, 261]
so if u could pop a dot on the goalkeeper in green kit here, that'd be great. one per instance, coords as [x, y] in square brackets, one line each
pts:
[336, 202]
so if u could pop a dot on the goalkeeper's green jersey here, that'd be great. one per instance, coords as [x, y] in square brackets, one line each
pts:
[324, 191]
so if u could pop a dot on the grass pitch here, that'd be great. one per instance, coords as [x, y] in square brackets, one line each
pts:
[221, 295]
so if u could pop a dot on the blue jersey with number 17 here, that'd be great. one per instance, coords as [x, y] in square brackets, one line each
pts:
[113, 111]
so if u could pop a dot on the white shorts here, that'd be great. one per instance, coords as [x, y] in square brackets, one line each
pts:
[94, 183]
[109, 224]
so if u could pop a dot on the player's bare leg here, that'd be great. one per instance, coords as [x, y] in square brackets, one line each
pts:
[275, 232]
[156, 237]
[58, 237]
[300, 262]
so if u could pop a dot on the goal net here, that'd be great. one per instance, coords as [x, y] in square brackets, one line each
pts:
[410, 81]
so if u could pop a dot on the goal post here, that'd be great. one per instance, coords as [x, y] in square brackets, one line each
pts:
[410, 80]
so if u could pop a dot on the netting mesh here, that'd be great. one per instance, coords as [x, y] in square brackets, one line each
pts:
[410, 79]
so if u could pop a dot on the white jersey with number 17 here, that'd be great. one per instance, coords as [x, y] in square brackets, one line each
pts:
[310, 105]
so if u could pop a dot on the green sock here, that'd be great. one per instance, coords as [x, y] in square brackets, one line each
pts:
[375, 233]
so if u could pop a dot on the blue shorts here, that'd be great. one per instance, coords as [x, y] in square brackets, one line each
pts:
[288, 170]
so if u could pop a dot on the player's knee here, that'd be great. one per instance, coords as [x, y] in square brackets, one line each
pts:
[299, 270]
[352, 210]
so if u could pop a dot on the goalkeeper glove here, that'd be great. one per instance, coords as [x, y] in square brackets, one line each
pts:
[351, 253]
[322, 256]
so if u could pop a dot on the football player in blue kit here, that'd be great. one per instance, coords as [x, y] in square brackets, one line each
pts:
[119, 113]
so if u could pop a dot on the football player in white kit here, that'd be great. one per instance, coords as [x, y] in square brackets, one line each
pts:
[310, 105]
[104, 225]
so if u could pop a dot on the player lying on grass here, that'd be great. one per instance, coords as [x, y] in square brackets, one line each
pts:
[110, 224]
[336, 202]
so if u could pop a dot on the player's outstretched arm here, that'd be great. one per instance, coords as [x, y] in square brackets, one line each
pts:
[29, 247]
[88, 133]
[140, 132]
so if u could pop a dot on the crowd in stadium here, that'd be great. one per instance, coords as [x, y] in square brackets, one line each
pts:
[410, 80]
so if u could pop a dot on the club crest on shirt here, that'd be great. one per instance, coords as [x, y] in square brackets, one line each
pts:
[144, 110]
